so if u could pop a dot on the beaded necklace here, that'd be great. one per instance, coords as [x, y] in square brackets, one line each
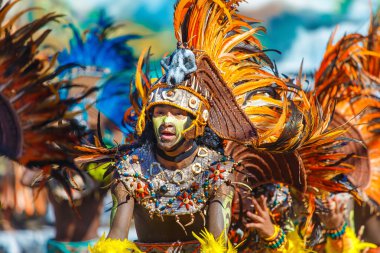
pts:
[173, 193]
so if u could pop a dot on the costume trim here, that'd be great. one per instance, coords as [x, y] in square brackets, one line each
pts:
[54, 246]
[188, 246]
[337, 233]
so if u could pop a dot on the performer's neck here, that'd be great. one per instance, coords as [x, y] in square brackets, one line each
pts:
[179, 158]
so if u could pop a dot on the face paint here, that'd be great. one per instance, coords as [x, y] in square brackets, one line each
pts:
[171, 125]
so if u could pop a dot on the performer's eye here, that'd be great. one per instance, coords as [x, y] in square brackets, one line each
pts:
[179, 114]
[158, 113]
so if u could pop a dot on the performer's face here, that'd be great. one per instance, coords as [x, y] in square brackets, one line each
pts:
[169, 123]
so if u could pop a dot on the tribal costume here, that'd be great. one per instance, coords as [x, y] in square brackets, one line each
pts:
[271, 130]
[251, 127]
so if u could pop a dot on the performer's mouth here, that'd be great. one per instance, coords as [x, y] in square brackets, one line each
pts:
[167, 135]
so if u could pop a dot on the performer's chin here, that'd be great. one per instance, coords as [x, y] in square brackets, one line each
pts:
[166, 143]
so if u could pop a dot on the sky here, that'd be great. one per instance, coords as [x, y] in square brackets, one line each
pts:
[299, 29]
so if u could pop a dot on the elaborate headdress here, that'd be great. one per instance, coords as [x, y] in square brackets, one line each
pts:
[193, 84]
[250, 104]
[231, 65]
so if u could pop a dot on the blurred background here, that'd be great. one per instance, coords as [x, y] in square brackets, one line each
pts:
[299, 29]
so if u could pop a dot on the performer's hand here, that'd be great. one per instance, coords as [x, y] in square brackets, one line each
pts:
[335, 218]
[261, 220]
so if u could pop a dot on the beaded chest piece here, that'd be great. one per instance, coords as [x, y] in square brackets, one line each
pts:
[172, 192]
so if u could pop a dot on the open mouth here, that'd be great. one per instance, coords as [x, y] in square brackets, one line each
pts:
[167, 135]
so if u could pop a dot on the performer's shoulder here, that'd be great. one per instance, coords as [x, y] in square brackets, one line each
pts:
[134, 161]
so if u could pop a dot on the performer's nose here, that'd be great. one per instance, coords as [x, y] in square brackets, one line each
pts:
[168, 118]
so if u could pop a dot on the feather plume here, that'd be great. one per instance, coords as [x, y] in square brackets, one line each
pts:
[349, 77]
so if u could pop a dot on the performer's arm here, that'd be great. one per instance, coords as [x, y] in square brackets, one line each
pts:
[123, 211]
[219, 211]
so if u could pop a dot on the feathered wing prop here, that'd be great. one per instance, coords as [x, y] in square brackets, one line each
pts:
[371, 115]
[263, 167]
[357, 152]
[286, 118]
[35, 126]
[32, 105]
[349, 77]
[227, 38]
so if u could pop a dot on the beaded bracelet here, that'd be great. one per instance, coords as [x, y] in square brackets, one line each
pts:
[337, 233]
[278, 239]
[275, 234]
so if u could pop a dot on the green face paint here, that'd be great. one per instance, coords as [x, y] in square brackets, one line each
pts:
[179, 124]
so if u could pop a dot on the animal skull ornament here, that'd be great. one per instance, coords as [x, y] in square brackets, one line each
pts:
[178, 65]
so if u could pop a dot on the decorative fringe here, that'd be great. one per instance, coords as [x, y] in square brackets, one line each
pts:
[348, 244]
[210, 245]
[108, 245]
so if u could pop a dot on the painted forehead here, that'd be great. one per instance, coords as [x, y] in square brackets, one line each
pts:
[169, 108]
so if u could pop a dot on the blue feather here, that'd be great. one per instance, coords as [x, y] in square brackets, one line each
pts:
[113, 59]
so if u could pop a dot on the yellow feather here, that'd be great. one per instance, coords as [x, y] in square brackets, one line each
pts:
[138, 77]
[107, 245]
[240, 38]
[210, 245]
[351, 244]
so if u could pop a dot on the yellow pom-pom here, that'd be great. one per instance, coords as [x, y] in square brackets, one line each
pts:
[210, 245]
[349, 243]
[295, 243]
[108, 245]
[352, 244]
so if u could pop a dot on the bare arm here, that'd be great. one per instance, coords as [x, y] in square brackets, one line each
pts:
[219, 211]
[123, 205]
